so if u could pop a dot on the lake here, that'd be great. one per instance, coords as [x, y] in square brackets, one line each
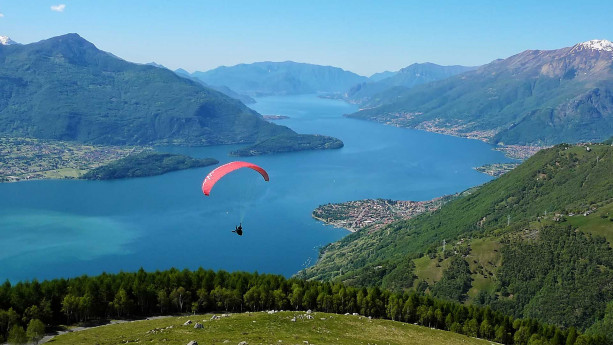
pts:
[66, 228]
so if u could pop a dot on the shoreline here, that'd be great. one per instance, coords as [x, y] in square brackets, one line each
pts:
[513, 151]
[333, 225]
[76, 159]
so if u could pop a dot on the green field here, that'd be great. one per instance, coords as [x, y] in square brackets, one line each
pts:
[264, 328]
[428, 270]
[484, 258]
[598, 223]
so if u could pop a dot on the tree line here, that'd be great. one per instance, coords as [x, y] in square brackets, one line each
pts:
[143, 294]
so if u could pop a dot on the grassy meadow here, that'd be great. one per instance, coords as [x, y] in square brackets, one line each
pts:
[264, 328]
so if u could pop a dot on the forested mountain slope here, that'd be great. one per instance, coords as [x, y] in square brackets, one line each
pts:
[534, 258]
[65, 88]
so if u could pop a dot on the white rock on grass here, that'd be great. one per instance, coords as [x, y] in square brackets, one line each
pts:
[193, 342]
[188, 322]
[243, 343]
[198, 325]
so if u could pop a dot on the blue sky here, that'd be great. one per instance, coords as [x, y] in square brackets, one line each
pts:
[361, 36]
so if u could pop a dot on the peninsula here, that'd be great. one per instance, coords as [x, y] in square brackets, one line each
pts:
[146, 164]
[290, 143]
[275, 117]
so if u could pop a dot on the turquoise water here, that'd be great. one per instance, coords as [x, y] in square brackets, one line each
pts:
[66, 228]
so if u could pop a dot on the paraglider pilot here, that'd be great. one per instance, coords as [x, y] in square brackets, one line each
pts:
[238, 229]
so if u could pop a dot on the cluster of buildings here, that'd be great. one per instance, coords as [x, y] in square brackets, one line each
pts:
[28, 159]
[375, 213]
[520, 151]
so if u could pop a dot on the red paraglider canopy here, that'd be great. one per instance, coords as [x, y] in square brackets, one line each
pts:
[219, 172]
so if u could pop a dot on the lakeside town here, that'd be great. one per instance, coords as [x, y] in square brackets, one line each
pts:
[521, 152]
[374, 213]
[404, 119]
[32, 159]
[458, 130]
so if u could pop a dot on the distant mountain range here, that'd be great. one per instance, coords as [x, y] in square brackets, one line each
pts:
[281, 78]
[381, 75]
[535, 97]
[221, 88]
[382, 83]
[65, 88]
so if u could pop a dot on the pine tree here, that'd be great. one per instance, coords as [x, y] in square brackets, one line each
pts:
[35, 331]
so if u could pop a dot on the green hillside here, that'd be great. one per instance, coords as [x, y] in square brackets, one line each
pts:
[64, 88]
[527, 211]
[264, 328]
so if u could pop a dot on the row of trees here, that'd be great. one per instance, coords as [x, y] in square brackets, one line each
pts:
[141, 294]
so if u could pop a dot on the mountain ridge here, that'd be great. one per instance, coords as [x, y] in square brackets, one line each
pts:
[65, 88]
[539, 97]
[280, 78]
[367, 93]
[223, 89]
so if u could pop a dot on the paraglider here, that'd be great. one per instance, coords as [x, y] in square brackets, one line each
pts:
[238, 229]
[221, 171]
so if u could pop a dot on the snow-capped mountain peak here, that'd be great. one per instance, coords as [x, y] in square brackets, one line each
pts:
[601, 45]
[5, 41]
